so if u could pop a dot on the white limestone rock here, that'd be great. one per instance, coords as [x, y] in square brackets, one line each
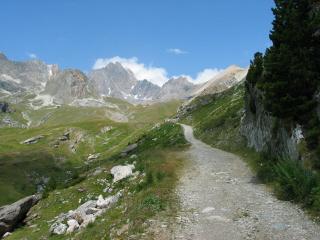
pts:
[121, 172]
[58, 228]
[73, 225]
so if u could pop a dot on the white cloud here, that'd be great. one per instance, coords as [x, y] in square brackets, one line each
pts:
[206, 75]
[155, 75]
[177, 51]
[203, 76]
[32, 55]
[141, 71]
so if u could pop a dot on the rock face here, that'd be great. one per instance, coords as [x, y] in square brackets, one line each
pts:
[67, 86]
[265, 133]
[145, 90]
[113, 81]
[12, 215]
[16, 76]
[177, 88]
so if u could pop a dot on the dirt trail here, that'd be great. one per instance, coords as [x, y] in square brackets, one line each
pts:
[220, 200]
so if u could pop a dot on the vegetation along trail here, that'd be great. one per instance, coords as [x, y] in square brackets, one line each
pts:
[220, 199]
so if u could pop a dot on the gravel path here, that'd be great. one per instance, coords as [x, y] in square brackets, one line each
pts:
[221, 201]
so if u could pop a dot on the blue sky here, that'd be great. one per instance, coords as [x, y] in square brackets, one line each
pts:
[180, 36]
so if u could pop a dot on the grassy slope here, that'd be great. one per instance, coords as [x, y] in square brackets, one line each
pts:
[156, 157]
[217, 123]
[23, 166]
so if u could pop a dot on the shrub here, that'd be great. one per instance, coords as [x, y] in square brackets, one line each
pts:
[294, 182]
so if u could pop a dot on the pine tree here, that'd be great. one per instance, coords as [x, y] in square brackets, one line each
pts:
[291, 65]
[256, 69]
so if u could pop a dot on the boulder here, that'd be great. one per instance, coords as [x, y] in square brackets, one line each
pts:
[129, 149]
[32, 140]
[12, 215]
[121, 172]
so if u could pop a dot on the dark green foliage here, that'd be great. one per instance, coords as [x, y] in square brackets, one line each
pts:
[153, 203]
[295, 182]
[291, 66]
[291, 181]
[256, 69]
[289, 73]
[51, 185]
[149, 180]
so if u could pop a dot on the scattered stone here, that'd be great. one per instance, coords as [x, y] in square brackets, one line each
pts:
[106, 129]
[83, 215]
[32, 140]
[208, 209]
[121, 172]
[12, 215]
[63, 138]
[92, 157]
[81, 189]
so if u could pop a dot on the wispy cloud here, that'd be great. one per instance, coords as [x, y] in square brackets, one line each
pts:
[32, 55]
[155, 75]
[176, 51]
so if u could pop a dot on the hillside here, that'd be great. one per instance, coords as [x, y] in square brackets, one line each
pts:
[69, 135]
[143, 195]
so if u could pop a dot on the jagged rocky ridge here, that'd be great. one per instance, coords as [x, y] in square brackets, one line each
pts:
[52, 86]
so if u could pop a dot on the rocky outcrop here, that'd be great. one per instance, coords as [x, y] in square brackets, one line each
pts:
[67, 86]
[265, 133]
[12, 215]
[86, 213]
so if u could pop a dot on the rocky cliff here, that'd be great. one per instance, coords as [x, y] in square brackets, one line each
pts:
[68, 85]
[265, 133]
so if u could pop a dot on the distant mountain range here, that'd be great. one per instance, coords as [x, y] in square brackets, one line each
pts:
[51, 85]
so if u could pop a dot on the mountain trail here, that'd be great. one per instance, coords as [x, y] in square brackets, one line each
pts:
[220, 199]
